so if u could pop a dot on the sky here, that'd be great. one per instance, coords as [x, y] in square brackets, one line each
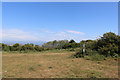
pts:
[48, 21]
[60, 0]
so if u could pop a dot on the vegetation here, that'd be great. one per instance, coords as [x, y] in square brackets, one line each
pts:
[53, 59]
[105, 46]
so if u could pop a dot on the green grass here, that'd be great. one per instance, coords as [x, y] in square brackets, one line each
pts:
[31, 69]
[39, 65]
[50, 67]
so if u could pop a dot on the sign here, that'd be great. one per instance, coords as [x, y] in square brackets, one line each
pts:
[83, 45]
[84, 48]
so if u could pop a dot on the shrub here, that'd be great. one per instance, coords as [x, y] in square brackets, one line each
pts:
[90, 55]
[79, 54]
[87, 57]
[87, 52]
[90, 52]
[50, 67]
[38, 48]
[115, 55]
[108, 44]
[39, 65]
[31, 69]
[97, 57]
[71, 49]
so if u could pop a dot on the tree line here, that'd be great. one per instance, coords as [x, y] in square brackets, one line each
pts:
[106, 45]
[62, 44]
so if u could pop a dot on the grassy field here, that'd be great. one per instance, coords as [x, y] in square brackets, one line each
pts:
[52, 64]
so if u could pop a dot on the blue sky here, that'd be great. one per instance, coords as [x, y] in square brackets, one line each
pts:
[47, 21]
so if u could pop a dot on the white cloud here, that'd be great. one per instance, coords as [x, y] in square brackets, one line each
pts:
[65, 36]
[46, 35]
[16, 34]
[47, 31]
[75, 32]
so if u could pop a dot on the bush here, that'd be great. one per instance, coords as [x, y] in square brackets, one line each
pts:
[90, 52]
[87, 57]
[97, 57]
[38, 48]
[79, 54]
[87, 52]
[71, 49]
[90, 55]
[115, 55]
[108, 44]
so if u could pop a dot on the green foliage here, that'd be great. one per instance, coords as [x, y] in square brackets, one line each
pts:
[22, 48]
[50, 67]
[108, 44]
[115, 55]
[90, 52]
[79, 54]
[5, 47]
[16, 47]
[90, 55]
[72, 41]
[39, 65]
[71, 49]
[55, 44]
[87, 57]
[28, 47]
[38, 48]
[97, 57]
[31, 69]
[62, 44]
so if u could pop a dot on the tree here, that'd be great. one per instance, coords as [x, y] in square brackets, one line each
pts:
[27, 47]
[38, 48]
[32, 44]
[72, 41]
[108, 44]
[16, 47]
[55, 44]
[5, 47]
[11, 48]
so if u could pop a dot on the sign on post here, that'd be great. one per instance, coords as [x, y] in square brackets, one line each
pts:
[83, 48]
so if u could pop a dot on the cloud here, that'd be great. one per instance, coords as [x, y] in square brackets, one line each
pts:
[45, 35]
[75, 32]
[66, 36]
[46, 30]
[17, 34]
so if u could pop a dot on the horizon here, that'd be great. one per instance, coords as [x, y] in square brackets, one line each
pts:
[48, 21]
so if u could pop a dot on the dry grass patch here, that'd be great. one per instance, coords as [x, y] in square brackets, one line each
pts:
[56, 65]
